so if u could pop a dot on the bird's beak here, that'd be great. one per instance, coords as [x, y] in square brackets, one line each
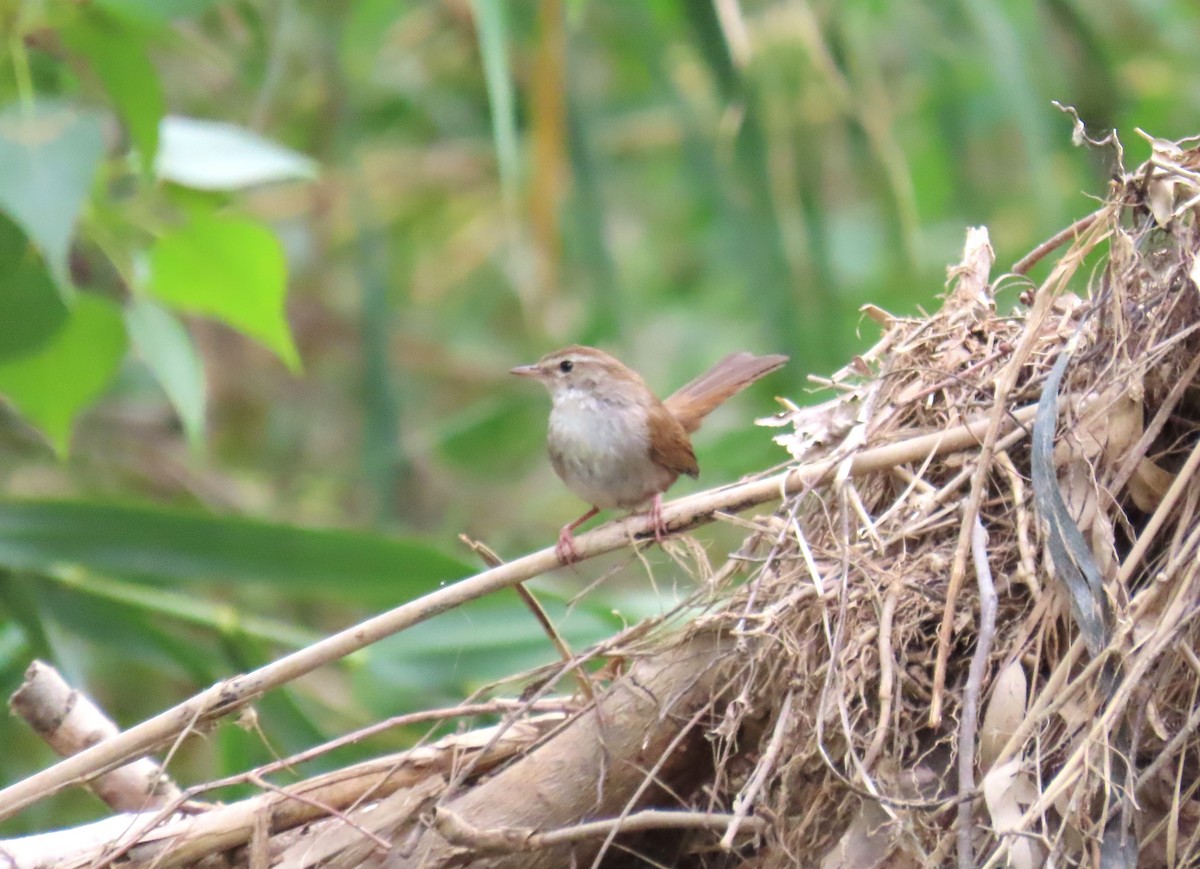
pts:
[526, 371]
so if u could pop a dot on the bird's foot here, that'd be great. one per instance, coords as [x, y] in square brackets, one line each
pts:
[565, 547]
[656, 520]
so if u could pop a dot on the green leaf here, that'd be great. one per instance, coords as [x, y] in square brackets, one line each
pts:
[213, 155]
[51, 386]
[481, 641]
[229, 268]
[33, 309]
[167, 349]
[126, 636]
[118, 55]
[170, 544]
[48, 156]
[162, 605]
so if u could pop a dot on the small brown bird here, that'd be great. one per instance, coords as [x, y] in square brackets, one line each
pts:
[613, 442]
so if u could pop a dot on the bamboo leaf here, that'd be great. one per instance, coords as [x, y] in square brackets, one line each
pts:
[176, 545]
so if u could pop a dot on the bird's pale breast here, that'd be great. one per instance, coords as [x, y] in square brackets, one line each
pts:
[601, 451]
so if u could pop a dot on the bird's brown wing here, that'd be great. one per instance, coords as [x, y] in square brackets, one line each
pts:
[670, 445]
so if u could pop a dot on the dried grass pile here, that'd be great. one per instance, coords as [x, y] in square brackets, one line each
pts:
[991, 657]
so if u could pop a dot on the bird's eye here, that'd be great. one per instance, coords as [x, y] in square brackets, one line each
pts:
[565, 366]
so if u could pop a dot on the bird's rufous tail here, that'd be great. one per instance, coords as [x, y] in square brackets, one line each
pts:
[697, 399]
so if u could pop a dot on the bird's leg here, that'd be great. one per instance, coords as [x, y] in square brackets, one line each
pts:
[565, 547]
[656, 519]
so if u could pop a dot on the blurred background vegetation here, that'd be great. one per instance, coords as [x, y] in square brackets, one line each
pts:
[264, 267]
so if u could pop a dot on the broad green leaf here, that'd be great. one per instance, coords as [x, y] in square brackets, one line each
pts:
[118, 55]
[228, 268]
[50, 387]
[115, 631]
[164, 604]
[174, 545]
[48, 156]
[212, 155]
[474, 644]
[167, 349]
[33, 309]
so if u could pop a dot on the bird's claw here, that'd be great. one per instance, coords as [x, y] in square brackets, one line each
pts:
[565, 547]
[656, 520]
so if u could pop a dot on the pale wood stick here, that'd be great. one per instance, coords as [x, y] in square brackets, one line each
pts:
[70, 721]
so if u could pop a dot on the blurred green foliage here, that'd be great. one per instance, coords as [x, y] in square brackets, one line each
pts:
[444, 189]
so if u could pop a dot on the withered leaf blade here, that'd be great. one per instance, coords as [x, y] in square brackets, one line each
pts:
[1073, 561]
